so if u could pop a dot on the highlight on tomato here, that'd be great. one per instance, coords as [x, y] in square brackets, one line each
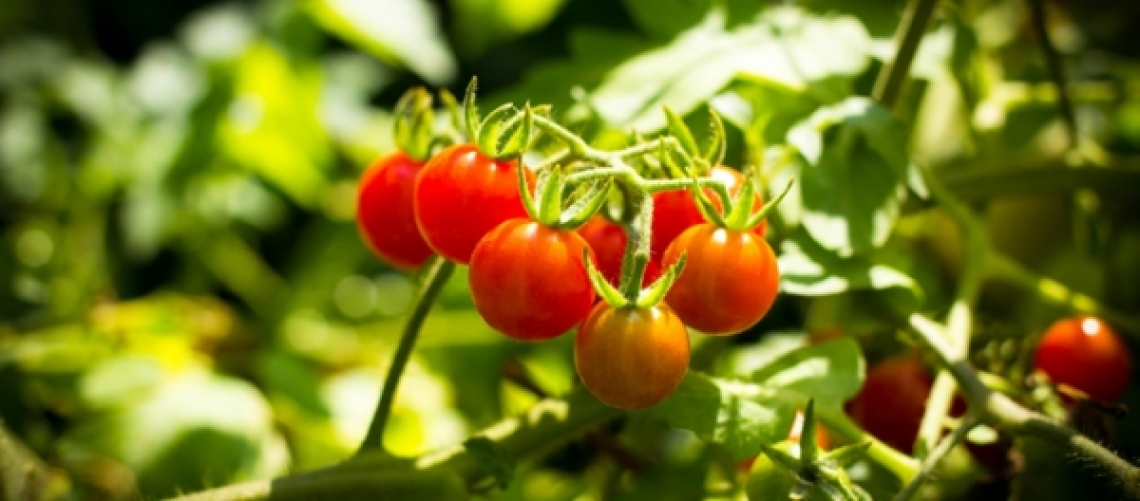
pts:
[1087, 354]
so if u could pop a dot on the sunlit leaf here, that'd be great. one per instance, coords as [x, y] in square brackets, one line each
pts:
[403, 32]
[830, 373]
[809, 270]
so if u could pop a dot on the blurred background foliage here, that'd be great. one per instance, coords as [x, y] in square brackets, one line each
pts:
[184, 300]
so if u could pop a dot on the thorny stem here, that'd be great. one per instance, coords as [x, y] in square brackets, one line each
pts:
[435, 279]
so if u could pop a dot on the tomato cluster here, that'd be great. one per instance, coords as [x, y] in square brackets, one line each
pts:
[530, 258]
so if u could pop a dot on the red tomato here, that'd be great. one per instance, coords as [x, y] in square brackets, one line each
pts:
[608, 240]
[631, 358]
[676, 211]
[385, 215]
[461, 195]
[729, 282]
[528, 280]
[892, 401]
[1087, 354]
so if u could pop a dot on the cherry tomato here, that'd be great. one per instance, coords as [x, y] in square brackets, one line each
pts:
[729, 282]
[528, 280]
[384, 211]
[631, 358]
[608, 240]
[1087, 354]
[676, 211]
[461, 195]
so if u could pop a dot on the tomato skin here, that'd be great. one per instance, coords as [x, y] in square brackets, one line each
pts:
[1087, 354]
[608, 240]
[675, 211]
[385, 215]
[461, 195]
[528, 280]
[631, 358]
[729, 282]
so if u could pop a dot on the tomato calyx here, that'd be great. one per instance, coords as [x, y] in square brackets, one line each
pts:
[545, 205]
[814, 469]
[414, 124]
[505, 133]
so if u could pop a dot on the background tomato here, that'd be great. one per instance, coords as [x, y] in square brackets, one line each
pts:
[631, 358]
[729, 282]
[461, 195]
[1087, 354]
[608, 240]
[385, 213]
[676, 211]
[528, 280]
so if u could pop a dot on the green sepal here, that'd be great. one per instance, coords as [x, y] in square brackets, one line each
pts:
[809, 449]
[671, 169]
[455, 116]
[524, 191]
[848, 454]
[739, 212]
[718, 145]
[490, 130]
[471, 111]
[704, 205]
[783, 460]
[414, 129]
[521, 136]
[679, 130]
[840, 488]
[608, 292]
[550, 185]
[759, 216]
[586, 205]
[656, 291]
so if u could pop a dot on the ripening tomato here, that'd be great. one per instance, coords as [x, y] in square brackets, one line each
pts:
[631, 358]
[461, 195]
[528, 280]
[608, 240]
[1087, 354]
[385, 215]
[729, 282]
[675, 211]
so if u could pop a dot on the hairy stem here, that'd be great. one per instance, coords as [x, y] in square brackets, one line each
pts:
[435, 279]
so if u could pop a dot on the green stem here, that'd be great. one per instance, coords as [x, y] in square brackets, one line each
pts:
[903, 467]
[890, 81]
[1056, 71]
[936, 456]
[435, 279]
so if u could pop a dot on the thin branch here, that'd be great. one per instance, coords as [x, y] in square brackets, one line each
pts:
[1056, 71]
[936, 456]
[888, 85]
[435, 279]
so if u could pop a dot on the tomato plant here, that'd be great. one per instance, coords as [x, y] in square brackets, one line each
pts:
[1087, 354]
[729, 283]
[385, 214]
[461, 195]
[631, 357]
[528, 280]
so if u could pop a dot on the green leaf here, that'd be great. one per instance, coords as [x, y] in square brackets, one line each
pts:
[742, 417]
[402, 32]
[785, 46]
[480, 23]
[493, 458]
[806, 269]
[831, 373]
[854, 174]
